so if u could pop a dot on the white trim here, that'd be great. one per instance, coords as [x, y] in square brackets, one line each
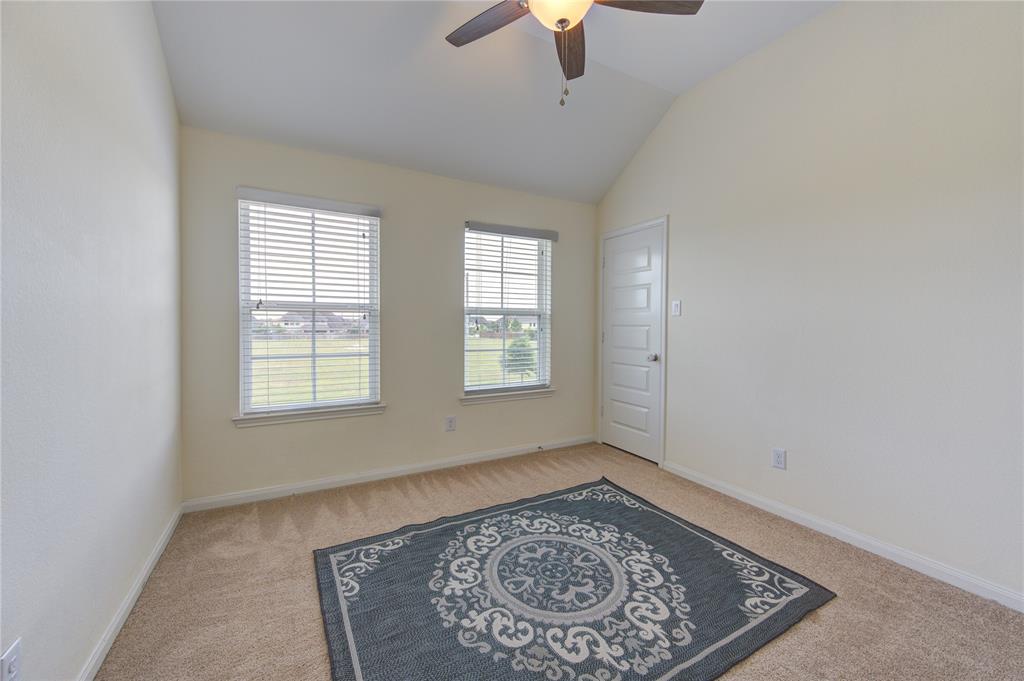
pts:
[275, 491]
[662, 222]
[915, 561]
[271, 417]
[506, 395]
[99, 652]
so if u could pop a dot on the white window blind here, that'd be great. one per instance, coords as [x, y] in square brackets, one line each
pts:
[507, 311]
[309, 312]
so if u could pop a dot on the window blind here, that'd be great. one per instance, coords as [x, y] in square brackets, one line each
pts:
[507, 324]
[309, 311]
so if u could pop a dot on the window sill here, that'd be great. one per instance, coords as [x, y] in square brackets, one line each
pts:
[505, 396]
[273, 417]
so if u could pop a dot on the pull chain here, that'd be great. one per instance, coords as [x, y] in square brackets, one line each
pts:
[565, 58]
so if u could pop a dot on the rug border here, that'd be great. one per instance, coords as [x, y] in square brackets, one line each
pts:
[330, 610]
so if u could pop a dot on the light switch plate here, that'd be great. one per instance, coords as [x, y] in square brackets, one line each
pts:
[677, 308]
[10, 663]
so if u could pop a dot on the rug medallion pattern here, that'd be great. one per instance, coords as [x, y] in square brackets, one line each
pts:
[587, 584]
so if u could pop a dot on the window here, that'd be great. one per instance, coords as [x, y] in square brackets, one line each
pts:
[507, 308]
[309, 313]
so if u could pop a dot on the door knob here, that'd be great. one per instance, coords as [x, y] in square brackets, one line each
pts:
[653, 357]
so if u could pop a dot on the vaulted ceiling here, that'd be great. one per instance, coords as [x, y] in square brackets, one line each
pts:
[377, 81]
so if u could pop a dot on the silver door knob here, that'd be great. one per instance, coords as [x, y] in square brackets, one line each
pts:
[653, 357]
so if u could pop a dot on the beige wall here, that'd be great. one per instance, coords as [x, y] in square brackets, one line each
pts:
[421, 320]
[845, 235]
[90, 321]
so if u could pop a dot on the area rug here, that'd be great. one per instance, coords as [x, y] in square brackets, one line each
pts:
[590, 583]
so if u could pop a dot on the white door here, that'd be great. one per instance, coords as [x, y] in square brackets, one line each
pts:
[632, 366]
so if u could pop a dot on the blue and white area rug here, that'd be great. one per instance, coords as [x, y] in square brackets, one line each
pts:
[591, 583]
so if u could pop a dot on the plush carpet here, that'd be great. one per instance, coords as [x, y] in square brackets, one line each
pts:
[233, 599]
[590, 583]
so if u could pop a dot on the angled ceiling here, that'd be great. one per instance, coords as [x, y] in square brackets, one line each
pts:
[377, 81]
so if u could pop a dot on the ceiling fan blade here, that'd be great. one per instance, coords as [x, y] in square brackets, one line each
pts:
[656, 6]
[502, 14]
[574, 55]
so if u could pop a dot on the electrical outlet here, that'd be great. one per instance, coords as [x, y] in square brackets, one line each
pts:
[10, 663]
[779, 459]
[449, 424]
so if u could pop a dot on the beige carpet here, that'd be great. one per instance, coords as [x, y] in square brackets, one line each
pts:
[235, 597]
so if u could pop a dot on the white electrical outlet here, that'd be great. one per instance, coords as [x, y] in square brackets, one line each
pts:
[449, 424]
[11, 663]
[779, 458]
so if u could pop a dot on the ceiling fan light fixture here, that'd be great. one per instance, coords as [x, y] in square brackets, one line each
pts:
[559, 15]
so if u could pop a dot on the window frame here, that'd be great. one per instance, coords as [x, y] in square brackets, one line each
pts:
[247, 415]
[514, 391]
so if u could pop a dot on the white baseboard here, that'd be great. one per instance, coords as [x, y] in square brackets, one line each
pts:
[914, 561]
[99, 653]
[262, 493]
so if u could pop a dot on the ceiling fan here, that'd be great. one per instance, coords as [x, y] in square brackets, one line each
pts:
[565, 18]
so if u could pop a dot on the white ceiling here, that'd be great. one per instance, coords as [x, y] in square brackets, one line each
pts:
[377, 81]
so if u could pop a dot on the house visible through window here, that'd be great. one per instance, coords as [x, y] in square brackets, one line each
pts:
[507, 310]
[309, 314]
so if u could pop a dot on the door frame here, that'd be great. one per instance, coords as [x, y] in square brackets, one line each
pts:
[658, 222]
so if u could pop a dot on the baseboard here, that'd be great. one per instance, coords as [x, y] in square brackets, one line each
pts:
[915, 561]
[99, 653]
[262, 493]
[910, 559]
